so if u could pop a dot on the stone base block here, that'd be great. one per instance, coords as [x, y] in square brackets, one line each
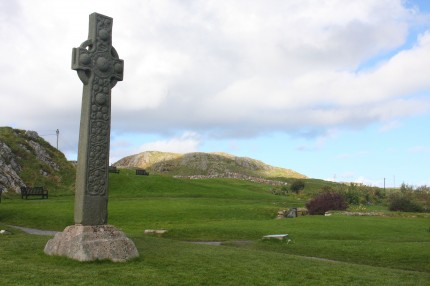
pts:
[89, 243]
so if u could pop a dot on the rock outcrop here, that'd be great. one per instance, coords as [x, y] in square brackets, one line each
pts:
[42, 155]
[28, 160]
[9, 169]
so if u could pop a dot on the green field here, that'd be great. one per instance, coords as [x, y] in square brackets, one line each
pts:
[335, 250]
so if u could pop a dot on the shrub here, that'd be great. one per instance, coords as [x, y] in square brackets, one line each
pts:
[297, 186]
[379, 194]
[325, 202]
[352, 197]
[405, 188]
[423, 188]
[402, 203]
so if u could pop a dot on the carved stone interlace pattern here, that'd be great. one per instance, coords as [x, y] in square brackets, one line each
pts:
[98, 156]
[98, 159]
[104, 31]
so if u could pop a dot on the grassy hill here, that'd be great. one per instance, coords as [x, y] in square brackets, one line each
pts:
[203, 164]
[28, 160]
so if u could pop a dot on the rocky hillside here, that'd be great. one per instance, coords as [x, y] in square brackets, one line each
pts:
[28, 160]
[203, 164]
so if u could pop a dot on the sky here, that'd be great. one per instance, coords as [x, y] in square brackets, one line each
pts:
[336, 90]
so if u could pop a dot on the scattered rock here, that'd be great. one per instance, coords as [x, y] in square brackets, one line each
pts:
[32, 134]
[292, 213]
[24, 148]
[281, 214]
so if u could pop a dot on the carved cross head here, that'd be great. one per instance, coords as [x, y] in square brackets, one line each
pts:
[96, 56]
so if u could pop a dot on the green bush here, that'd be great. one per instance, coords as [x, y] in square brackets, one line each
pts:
[352, 197]
[297, 186]
[403, 203]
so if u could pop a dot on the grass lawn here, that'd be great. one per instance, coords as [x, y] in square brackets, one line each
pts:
[367, 250]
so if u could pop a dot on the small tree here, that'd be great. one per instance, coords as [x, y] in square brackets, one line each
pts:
[297, 186]
[325, 202]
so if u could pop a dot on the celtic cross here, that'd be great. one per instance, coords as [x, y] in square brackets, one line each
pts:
[99, 68]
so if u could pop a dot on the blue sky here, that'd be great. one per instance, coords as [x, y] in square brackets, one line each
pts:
[336, 90]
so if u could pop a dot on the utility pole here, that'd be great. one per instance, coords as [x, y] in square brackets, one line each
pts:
[58, 133]
[384, 184]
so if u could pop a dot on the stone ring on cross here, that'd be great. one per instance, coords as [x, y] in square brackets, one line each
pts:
[97, 57]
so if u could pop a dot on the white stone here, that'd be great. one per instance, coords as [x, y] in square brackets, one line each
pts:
[89, 243]
[4, 232]
[276, 236]
[155, 231]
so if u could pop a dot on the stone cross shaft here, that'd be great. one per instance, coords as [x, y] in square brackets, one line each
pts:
[99, 68]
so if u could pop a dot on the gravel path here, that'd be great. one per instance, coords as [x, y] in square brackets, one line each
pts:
[35, 231]
[217, 243]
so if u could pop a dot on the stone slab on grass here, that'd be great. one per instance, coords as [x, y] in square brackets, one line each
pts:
[276, 236]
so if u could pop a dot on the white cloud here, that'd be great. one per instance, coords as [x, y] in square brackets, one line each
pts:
[390, 125]
[353, 178]
[187, 142]
[219, 68]
[370, 182]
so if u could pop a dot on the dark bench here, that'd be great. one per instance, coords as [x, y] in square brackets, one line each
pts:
[142, 172]
[35, 191]
[113, 169]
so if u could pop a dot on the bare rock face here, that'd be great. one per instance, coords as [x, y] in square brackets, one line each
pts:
[89, 243]
[32, 134]
[42, 155]
[9, 169]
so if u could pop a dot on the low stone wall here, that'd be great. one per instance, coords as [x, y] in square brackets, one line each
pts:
[231, 175]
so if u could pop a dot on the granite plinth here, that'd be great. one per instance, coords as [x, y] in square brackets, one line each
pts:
[89, 243]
